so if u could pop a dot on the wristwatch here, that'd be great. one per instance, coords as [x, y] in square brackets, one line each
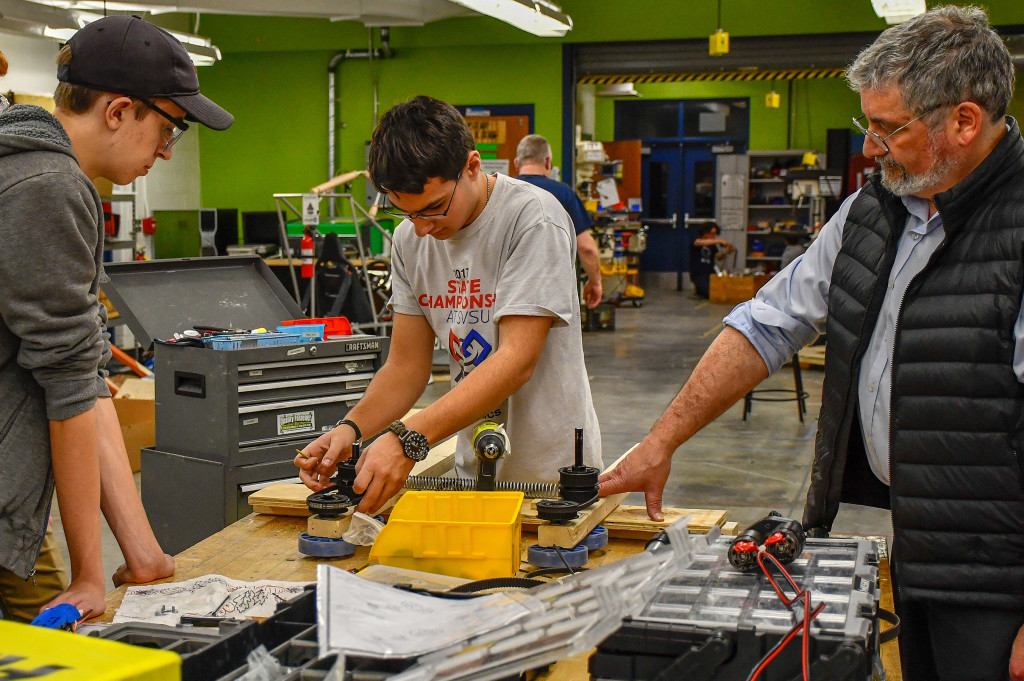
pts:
[414, 445]
[353, 426]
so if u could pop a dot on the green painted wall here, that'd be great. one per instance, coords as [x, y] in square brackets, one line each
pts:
[274, 79]
[278, 143]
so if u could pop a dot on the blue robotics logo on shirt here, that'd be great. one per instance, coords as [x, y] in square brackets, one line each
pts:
[469, 351]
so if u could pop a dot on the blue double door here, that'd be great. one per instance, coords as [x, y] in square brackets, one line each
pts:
[677, 179]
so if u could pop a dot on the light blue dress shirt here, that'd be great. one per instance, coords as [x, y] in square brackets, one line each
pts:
[789, 312]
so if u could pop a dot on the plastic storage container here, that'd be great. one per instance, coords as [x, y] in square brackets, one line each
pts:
[38, 652]
[474, 535]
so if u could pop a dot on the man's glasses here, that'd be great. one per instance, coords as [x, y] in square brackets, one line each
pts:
[391, 210]
[878, 139]
[170, 135]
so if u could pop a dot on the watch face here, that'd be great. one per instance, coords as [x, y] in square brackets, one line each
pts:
[415, 445]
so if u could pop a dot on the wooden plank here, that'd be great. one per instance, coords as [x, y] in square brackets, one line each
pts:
[633, 521]
[573, 532]
[289, 498]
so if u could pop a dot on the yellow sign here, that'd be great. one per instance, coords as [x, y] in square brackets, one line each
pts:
[40, 654]
[487, 130]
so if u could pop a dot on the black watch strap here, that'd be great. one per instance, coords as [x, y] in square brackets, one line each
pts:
[353, 426]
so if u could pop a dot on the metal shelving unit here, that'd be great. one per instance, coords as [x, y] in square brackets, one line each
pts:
[770, 205]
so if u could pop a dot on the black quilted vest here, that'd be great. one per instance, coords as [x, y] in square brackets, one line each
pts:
[957, 410]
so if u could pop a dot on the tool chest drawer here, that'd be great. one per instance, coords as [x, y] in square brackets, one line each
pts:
[204, 408]
[275, 421]
[304, 388]
[307, 368]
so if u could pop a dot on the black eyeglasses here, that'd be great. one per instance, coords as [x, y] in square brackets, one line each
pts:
[878, 139]
[390, 210]
[170, 135]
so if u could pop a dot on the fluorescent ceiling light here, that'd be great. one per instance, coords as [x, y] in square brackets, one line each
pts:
[60, 19]
[898, 11]
[538, 17]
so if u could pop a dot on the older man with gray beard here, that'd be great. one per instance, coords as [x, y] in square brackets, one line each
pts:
[917, 281]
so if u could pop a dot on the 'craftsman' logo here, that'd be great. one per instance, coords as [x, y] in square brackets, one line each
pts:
[7, 673]
[468, 352]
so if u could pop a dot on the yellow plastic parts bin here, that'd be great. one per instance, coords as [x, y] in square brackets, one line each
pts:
[474, 535]
[34, 651]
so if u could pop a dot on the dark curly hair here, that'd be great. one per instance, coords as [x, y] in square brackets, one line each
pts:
[416, 140]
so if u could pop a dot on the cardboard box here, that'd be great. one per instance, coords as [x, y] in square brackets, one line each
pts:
[735, 289]
[136, 411]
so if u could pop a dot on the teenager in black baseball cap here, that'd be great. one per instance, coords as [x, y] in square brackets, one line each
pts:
[126, 90]
[127, 55]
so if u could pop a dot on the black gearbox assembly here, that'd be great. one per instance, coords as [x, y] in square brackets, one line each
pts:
[781, 537]
[578, 482]
[578, 488]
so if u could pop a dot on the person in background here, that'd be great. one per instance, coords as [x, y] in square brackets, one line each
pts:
[485, 265]
[533, 165]
[59, 426]
[794, 248]
[706, 251]
[917, 282]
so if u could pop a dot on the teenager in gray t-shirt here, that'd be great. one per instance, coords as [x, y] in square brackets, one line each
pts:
[486, 265]
[516, 258]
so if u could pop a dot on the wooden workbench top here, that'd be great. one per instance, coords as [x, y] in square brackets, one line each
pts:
[266, 547]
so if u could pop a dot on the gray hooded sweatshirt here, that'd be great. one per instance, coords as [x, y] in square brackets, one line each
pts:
[53, 341]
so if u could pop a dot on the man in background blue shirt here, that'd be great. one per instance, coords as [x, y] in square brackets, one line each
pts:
[533, 162]
[918, 280]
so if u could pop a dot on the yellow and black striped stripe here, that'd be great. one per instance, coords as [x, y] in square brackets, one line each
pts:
[745, 75]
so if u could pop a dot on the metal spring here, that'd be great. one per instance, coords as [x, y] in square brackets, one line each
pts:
[440, 484]
[530, 489]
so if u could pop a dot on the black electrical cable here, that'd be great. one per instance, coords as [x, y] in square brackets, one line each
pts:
[564, 562]
[803, 626]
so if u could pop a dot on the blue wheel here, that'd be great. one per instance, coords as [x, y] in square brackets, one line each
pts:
[597, 539]
[547, 557]
[324, 547]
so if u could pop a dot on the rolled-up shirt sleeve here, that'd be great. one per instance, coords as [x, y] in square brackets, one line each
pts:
[789, 311]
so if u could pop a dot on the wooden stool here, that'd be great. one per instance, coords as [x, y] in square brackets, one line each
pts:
[797, 394]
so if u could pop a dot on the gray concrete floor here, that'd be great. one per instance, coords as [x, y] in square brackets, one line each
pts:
[744, 467]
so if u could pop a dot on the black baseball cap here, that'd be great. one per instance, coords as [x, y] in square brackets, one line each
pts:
[126, 55]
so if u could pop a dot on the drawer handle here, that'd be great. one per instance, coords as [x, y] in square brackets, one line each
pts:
[189, 384]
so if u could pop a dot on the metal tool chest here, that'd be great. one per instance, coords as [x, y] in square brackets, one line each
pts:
[228, 422]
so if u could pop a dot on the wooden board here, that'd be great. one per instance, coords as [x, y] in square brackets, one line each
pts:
[632, 522]
[289, 498]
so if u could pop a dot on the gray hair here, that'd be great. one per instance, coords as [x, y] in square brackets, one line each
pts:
[940, 58]
[533, 149]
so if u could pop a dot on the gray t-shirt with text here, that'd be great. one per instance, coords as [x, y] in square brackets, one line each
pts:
[518, 257]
